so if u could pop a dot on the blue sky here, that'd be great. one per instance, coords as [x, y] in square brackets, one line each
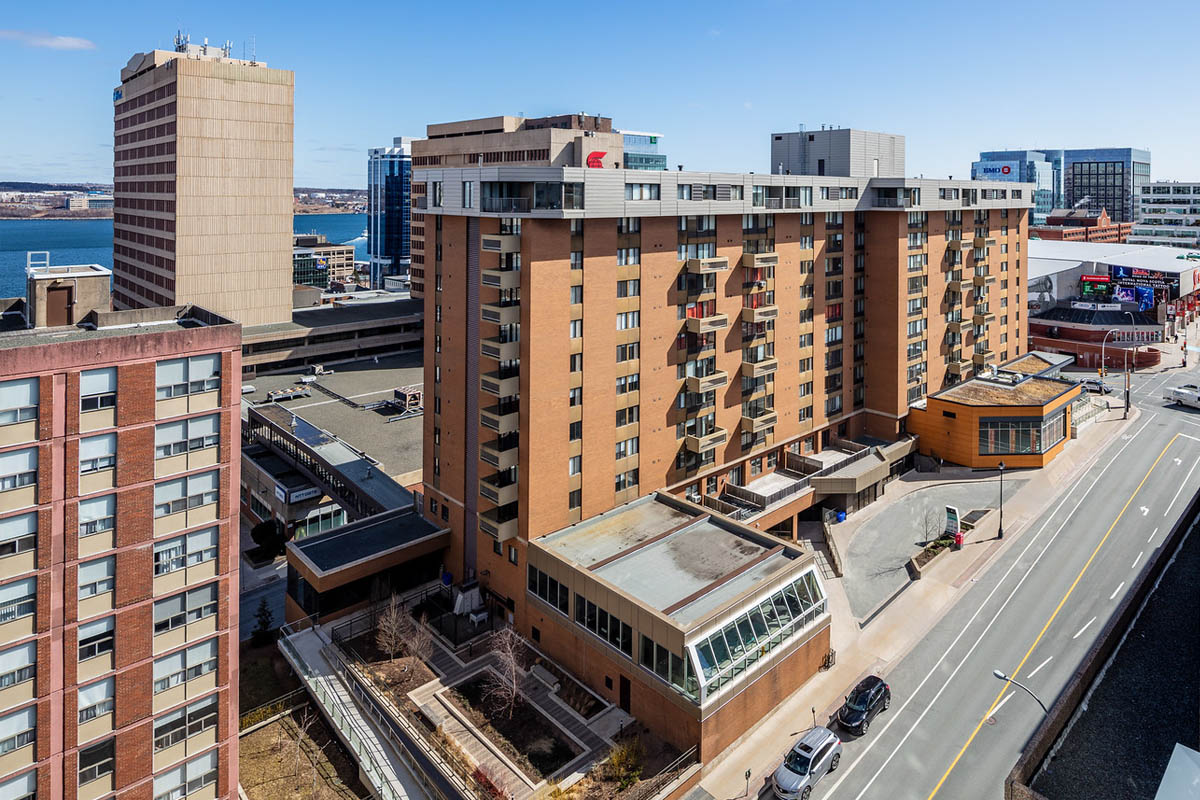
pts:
[714, 78]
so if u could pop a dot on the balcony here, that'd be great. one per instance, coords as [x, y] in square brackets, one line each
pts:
[500, 453]
[764, 420]
[957, 364]
[500, 488]
[708, 383]
[759, 369]
[504, 205]
[500, 349]
[701, 444]
[956, 326]
[500, 523]
[957, 244]
[983, 241]
[500, 243]
[707, 266]
[502, 418]
[982, 280]
[759, 260]
[760, 314]
[956, 285]
[500, 314]
[713, 322]
[893, 202]
[981, 357]
[983, 317]
[501, 278]
[501, 383]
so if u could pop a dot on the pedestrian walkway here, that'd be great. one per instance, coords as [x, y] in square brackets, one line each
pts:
[382, 768]
[906, 620]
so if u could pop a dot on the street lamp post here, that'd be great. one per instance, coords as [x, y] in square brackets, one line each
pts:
[1128, 370]
[1000, 675]
[1103, 367]
[1000, 535]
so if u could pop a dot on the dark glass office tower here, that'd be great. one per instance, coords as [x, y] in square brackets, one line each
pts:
[389, 207]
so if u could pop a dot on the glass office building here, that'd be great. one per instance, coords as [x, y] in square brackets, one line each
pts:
[389, 210]
[1111, 178]
[1042, 168]
[641, 151]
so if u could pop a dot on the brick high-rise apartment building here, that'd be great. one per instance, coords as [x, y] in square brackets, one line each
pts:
[118, 549]
[594, 335]
[202, 193]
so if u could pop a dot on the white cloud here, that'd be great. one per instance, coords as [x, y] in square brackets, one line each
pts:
[48, 41]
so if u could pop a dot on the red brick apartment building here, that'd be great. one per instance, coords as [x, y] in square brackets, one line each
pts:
[745, 347]
[1082, 225]
[118, 541]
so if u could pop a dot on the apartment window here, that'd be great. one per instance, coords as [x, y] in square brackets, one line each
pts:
[97, 453]
[627, 383]
[185, 665]
[626, 480]
[548, 589]
[628, 319]
[172, 497]
[683, 191]
[642, 191]
[96, 761]
[18, 534]
[576, 295]
[628, 255]
[574, 465]
[833, 405]
[467, 193]
[629, 224]
[186, 607]
[97, 389]
[576, 259]
[171, 729]
[18, 729]
[96, 700]
[575, 498]
[186, 435]
[97, 577]
[576, 365]
[627, 416]
[96, 638]
[576, 328]
[575, 396]
[627, 352]
[575, 431]
[627, 447]
[629, 288]
[18, 599]
[18, 401]
[17, 665]
[185, 551]
[183, 376]
[833, 334]
[186, 779]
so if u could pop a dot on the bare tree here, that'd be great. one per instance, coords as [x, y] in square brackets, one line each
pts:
[502, 685]
[307, 720]
[933, 524]
[418, 639]
[390, 629]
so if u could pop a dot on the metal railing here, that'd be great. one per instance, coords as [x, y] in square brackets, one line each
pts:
[653, 786]
[505, 205]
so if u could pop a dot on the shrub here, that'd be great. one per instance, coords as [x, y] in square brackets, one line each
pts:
[626, 761]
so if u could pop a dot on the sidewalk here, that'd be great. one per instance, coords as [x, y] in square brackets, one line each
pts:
[252, 578]
[905, 621]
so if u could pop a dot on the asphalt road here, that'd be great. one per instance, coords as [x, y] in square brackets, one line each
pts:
[954, 730]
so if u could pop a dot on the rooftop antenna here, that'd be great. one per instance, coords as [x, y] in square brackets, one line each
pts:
[182, 40]
[253, 52]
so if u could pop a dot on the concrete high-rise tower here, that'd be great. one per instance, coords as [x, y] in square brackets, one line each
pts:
[203, 184]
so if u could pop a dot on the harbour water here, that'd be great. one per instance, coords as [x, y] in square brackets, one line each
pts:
[89, 241]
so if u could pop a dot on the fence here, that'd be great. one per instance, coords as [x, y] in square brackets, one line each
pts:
[666, 776]
[267, 711]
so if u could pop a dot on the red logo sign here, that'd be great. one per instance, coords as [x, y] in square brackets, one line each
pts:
[1094, 278]
[1005, 170]
[595, 159]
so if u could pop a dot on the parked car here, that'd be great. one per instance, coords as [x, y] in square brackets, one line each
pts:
[1095, 385]
[815, 755]
[862, 705]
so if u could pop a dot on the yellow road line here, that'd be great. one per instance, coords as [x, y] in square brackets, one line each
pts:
[1046, 627]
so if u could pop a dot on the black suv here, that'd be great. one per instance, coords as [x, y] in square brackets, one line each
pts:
[870, 697]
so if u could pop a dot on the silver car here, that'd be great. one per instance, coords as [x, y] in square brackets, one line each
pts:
[818, 753]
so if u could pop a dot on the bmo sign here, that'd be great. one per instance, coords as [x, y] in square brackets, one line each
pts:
[996, 170]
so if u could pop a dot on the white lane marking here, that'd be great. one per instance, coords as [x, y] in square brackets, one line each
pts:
[1136, 560]
[1145, 510]
[934, 669]
[1114, 594]
[1181, 485]
[1084, 628]
[1152, 534]
[1000, 705]
[1038, 667]
[1179, 462]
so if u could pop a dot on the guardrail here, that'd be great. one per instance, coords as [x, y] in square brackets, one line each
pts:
[270, 710]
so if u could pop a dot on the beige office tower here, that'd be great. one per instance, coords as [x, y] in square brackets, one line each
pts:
[203, 184]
